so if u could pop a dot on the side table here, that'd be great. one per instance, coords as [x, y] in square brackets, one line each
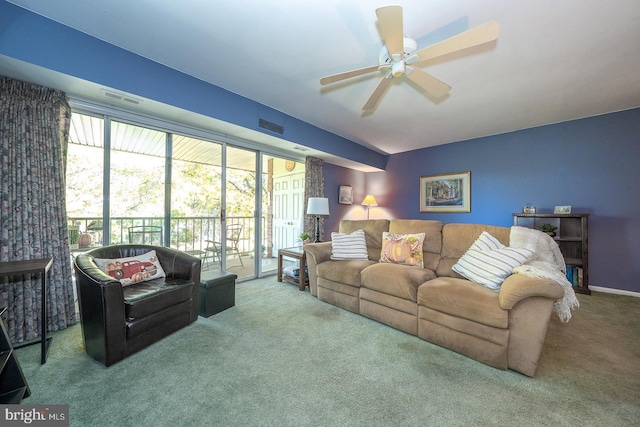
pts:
[23, 268]
[295, 253]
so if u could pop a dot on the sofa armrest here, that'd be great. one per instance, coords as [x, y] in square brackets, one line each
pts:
[102, 312]
[518, 287]
[179, 265]
[316, 253]
[319, 252]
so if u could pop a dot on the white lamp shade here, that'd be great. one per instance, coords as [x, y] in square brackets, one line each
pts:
[318, 206]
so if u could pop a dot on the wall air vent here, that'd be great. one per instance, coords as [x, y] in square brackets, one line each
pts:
[299, 148]
[121, 97]
[265, 124]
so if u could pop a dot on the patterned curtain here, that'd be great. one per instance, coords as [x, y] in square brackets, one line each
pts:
[313, 187]
[34, 129]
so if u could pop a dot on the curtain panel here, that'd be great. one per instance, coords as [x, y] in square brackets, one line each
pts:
[34, 129]
[313, 187]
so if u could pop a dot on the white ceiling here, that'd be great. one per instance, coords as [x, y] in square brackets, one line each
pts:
[553, 61]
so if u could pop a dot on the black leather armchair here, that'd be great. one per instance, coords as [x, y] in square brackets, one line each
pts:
[118, 321]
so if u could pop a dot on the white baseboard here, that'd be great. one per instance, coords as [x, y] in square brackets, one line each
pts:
[614, 291]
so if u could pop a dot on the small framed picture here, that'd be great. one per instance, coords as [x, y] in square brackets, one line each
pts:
[562, 210]
[345, 196]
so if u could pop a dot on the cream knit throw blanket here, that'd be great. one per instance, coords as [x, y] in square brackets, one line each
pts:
[547, 263]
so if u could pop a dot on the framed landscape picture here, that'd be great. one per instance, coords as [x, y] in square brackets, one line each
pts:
[450, 192]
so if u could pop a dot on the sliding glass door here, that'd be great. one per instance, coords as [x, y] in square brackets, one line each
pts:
[196, 199]
[136, 184]
[239, 215]
[127, 182]
[84, 180]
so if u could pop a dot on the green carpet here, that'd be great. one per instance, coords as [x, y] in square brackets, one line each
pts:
[282, 358]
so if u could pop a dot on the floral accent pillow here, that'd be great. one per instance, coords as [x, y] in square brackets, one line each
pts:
[404, 249]
[132, 269]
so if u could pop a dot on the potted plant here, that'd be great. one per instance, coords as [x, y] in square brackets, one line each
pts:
[549, 229]
[74, 234]
[304, 237]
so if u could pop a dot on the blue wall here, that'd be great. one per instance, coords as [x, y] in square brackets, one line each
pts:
[591, 164]
[34, 39]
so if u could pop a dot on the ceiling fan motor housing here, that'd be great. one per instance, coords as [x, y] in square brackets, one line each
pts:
[397, 65]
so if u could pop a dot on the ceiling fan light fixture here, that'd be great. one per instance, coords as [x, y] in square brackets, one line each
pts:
[397, 68]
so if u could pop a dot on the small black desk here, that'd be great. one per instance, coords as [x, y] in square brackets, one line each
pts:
[23, 268]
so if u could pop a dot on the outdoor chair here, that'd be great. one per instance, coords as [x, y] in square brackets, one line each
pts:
[214, 248]
[145, 235]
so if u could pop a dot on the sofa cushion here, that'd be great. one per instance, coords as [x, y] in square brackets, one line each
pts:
[173, 317]
[403, 249]
[134, 269]
[347, 272]
[398, 280]
[489, 268]
[462, 298]
[145, 298]
[346, 246]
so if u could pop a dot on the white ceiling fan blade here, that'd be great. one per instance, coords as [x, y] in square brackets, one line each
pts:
[377, 94]
[478, 35]
[390, 19]
[348, 74]
[427, 82]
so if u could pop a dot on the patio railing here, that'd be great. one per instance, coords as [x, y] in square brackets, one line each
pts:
[185, 233]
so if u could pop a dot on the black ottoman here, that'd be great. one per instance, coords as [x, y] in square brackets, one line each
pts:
[217, 292]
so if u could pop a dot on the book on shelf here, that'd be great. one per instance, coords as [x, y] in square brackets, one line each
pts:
[580, 274]
[570, 274]
[574, 275]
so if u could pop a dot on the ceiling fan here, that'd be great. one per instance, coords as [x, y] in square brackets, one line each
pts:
[399, 57]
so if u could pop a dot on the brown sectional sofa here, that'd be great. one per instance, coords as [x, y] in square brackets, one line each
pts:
[504, 329]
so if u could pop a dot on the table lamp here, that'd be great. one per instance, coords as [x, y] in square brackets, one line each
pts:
[318, 206]
[368, 202]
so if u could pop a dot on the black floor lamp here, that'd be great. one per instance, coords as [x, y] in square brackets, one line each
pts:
[318, 206]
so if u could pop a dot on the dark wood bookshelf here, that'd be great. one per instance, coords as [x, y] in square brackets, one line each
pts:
[13, 386]
[572, 236]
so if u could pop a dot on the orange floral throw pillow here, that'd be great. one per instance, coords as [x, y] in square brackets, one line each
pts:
[404, 249]
[132, 269]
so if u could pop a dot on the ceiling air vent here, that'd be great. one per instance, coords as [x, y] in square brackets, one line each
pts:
[265, 124]
[121, 97]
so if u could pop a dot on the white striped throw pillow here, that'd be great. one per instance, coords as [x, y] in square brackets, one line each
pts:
[349, 246]
[486, 242]
[488, 262]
